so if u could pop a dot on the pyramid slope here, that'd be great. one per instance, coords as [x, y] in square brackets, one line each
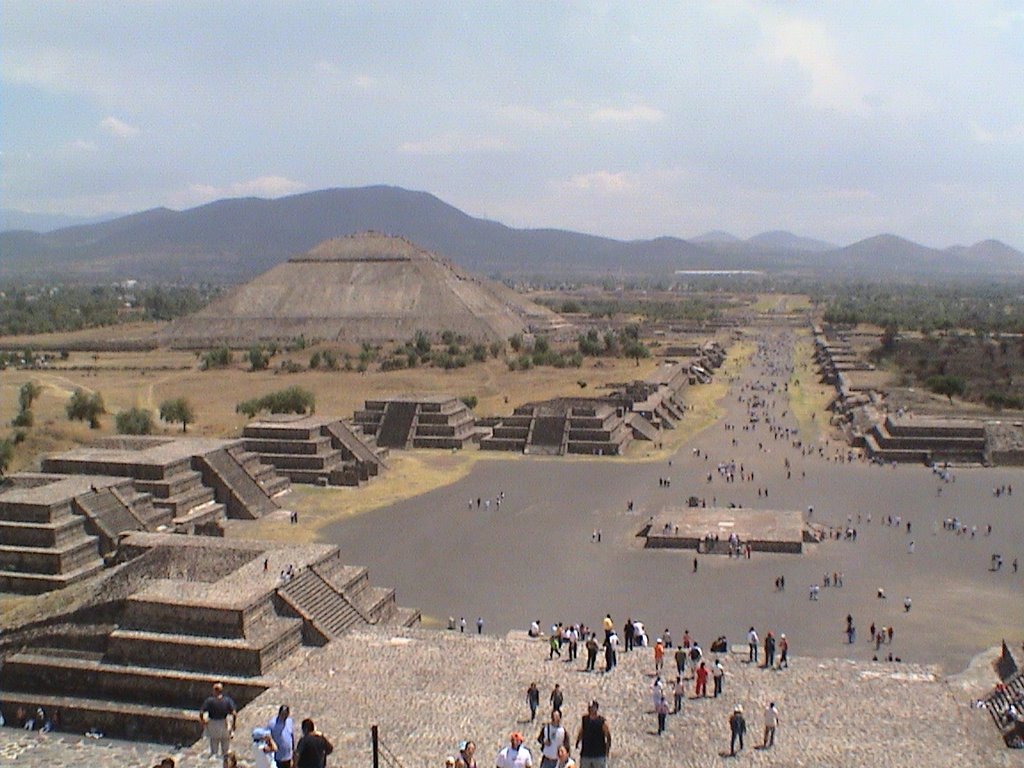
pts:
[366, 287]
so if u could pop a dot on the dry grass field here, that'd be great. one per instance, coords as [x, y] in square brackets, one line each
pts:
[145, 379]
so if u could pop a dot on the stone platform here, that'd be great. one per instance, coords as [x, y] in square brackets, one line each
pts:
[765, 530]
[833, 712]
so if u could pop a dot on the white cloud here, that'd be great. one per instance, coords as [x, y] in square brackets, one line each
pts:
[264, 186]
[603, 182]
[808, 45]
[453, 143]
[983, 135]
[118, 128]
[637, 113]
[532, 118]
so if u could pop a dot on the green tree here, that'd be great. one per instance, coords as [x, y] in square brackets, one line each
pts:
[27, 394]
[290, 400]
[947, 385]
[178, 411]
[134, 421]
[86, 407]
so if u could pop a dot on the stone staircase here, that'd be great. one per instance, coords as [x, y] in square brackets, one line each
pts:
[311, 449]
[108, 516]
[243, 496]
[396, 426]
[327, 609]
[44, 543]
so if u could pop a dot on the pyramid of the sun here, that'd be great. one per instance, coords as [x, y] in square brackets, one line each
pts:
[367, 287]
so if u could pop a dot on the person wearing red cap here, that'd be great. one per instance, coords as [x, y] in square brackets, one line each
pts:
[515, 755]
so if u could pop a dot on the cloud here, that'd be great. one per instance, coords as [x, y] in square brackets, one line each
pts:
[982, 135]
[454, 143]
[602, 182]
[532, 118]
[638, 113]
[118, 128]
[808, 45]
[264, 186]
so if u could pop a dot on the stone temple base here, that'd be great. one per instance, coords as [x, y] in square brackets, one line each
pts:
[765, 530]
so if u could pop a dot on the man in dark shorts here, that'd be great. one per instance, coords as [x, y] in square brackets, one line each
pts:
[313, 748]
[594, 739]
[218, 715]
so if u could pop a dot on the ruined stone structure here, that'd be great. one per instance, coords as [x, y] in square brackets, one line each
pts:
[56, 529]
[707, 529]
[57, 526]
[199, 480]
[927, 440]
[315, 449]
[601, 426]
[558, 427]
[414, 421]
[180, 614]
[368, 287]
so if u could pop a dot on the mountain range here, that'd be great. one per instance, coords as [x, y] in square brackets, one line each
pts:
[235, 239]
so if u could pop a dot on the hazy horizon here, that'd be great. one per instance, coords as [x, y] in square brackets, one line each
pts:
[835, 122]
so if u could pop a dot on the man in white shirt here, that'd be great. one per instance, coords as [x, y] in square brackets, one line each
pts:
[552, 736]
[752, 644]
[515, 755]
[771, 722]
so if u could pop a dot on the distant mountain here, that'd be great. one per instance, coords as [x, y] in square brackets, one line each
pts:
[234, 240]
[778, 240]
[716, 236]
[988, 252]
[11, 219]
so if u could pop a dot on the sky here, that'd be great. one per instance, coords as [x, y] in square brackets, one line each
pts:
[836, 120]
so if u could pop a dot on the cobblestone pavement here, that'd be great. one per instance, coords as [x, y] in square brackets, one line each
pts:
[429, 689]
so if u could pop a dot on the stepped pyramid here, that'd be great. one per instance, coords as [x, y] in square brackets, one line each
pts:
[367, 287]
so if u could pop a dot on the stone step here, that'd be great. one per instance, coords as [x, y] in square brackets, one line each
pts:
[141, 722]
[37, 583]
[69, 529]
[49, 560]
[93, 678]
[264, 645]
[205, 516]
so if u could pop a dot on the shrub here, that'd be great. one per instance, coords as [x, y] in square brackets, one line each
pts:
[290, 400]
[470, 401]
[215, 358]
[135, 421]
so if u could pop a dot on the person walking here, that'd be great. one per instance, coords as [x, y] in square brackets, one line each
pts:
[752, 642]
[702, 681]
[313, 748]
[718, 676]
[594, 739]
[515, 755]
[737, 729]
[771, 722]
[678, 692]
[556, 698]
[533, 700]
[592, 649]
[661, 709]
[283, 730]
[467, 755]
[769, 650]
[659, 656]
[680, 656]
[551, 737]
[219, 716]
[783, 651]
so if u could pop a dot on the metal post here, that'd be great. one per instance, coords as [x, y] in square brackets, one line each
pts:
[375, 741]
